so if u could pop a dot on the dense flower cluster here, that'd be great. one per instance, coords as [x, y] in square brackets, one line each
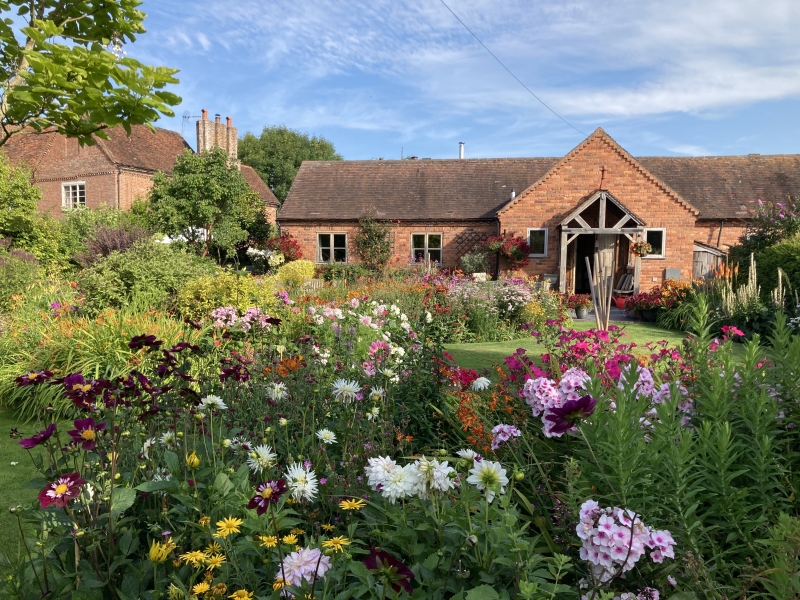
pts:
[615, 539]
[228, 317]
[544, 395]
[420, 478]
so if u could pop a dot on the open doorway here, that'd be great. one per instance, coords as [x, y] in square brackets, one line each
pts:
[584, 247]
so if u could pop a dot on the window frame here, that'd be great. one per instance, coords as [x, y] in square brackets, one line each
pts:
[64, 186]
[663, 231]
[412, 258]
[546, 241]
[333, 247]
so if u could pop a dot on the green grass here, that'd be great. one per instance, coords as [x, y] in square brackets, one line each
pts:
[484, 355]
[13, 478]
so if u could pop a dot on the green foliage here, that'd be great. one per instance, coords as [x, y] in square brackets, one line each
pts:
[342, 271]
[152, 272]
[373, 242]
[276, 155]
[79, 224]
[205, 201]
[474, 261]
[18, 270]
[772, 224]
[198, 297]
[63, 67]
[784, 255]
[296, 272]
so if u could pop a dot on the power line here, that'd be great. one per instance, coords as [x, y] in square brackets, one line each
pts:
[542, 102]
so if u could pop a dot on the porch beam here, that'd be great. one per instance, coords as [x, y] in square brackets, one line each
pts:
[602, 219]
[630, 237]
[622, 221]
[562, 263]
[582, 223]
[571, 238]
[624, 231]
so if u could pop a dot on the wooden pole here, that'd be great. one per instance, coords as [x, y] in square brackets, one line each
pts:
[592, 289]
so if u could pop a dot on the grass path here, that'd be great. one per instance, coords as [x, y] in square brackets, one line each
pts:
[13, 477]
[483, 355]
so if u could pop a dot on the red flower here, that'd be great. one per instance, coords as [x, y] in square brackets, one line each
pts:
[266, 494]
[38, 438]
[62, 490]
[395, 573]
[239, 373]
[85, 433]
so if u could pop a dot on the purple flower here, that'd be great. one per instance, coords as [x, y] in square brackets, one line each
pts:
[85, 433]
[266, 494]
[144, 341]
[503, 433]
[239, 374]
[565, 417]
[62, 490]
[55, 305]
[39, 438]
[394, 572]
[33, 378]
[323, 481]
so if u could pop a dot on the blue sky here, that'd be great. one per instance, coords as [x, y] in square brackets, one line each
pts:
[675, 77]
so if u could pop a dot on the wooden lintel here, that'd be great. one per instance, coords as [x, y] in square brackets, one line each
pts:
[624, 231]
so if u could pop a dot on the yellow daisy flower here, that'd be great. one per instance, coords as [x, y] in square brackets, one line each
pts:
[328, 527]
[241, 595]
[196, 557]
[201, 588]
[353, 504]
[213, 548]
[289, 539]
[296, 531]
[204, 520]
[269, 541]
[219, 589]
[337, 543]
[227, 526]
[159, 551]
[279, 583]
[214, 561]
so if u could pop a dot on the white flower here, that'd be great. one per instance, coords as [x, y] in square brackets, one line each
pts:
[401, 483]
[148, 443]
[489, 476]
[378, 469]
[480, 384]
[237, 444]
[226, 443]
[428, 317]
[14, 464]
[373, 414]
[283, 422]
[327, 436]
[377, 394]
[345, 390]
[168, 438]
[433, 476]
[277, 390]
[302, 482]
[261, 459]
[212, 402]
[469, 454]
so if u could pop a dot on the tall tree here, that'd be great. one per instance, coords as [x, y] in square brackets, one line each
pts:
[276, 155]
[63, 66]
[206, 200]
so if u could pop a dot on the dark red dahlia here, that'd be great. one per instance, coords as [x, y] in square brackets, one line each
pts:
[570, 413]
[33, 378]
[86, 432]
[62, 490]
[38, 438]
[266, 494]
[394, 572]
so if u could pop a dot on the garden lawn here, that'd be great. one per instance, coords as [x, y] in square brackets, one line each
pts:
[484, 355]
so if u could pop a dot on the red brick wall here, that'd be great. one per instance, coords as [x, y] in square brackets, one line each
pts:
[457, 237]
[708, 232]
[101, 190]
[133, 184]
[549, 202]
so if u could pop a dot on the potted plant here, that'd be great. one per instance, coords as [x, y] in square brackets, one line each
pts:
[641, 248]
[581, 304]
[513, 248]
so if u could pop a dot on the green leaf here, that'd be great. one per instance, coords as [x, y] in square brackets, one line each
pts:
[684, 596]
[223, 484]
[154, 486]
[121, 500]
[482, 592]
[172, 461]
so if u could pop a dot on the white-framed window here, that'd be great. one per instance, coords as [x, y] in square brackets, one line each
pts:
[657, 238]
[426, 247]
[537, 240]
[331, 247]
[73, 194]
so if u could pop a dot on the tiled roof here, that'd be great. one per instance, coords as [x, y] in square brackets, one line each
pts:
[144, 149]
[725, 187]
[409, 189]
[258, 186]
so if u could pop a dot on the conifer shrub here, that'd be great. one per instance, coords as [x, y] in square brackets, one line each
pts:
[199, 296]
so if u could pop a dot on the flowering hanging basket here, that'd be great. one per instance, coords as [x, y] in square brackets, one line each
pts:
[513, 248]
[641, 248]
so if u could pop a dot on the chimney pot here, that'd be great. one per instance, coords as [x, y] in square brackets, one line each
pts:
[204, 112]
[217, 118]
[230, 121]
[513, 194]
[460, 149]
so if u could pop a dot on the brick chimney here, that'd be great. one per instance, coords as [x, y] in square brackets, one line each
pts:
[217, 135]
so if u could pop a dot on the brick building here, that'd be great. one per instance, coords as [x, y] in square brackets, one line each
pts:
[595, 201]
[116, 171]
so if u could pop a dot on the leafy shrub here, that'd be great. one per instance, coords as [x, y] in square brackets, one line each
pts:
[106, 239]
[474, 261]
[198, 297]
[18, 269]
[373, 242]
[296, 272]
[784, 255]
[151, 271]
[286, 245]
[340, 272]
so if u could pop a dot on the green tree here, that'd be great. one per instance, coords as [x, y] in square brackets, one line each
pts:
[63, 66]
[206, 201]
[278, 152]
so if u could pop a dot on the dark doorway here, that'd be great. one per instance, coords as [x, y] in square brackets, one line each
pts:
[584, 246]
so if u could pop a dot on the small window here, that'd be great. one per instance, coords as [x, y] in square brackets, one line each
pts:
[73, 194]
[657, 239]
[426, 247]
[537, 240]
[332, 247]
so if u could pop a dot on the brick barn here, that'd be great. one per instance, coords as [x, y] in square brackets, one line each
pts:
[114, 172]
[595, 201]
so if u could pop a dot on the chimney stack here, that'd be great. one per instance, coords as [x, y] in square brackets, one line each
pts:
[513, 194]
[217, 135]
[460, 149]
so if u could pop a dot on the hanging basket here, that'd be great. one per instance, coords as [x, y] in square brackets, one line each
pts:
[641, 248]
